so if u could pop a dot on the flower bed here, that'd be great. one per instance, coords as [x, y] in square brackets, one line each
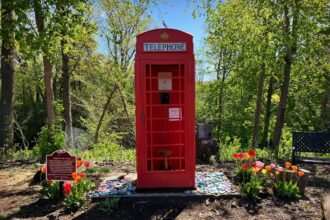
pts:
[255, 177]
[74, 192]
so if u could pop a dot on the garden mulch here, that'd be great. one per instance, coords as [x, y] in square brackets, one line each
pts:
[19, 199]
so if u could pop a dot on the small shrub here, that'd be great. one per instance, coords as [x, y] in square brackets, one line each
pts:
[76, 197]
[50, 139]
[243, 175]
[287, 190]
[287, 186]
[251, 189]
[108, 205]
[109, 151]
[24, 155]
[265, 153]
[285, 149]
[227, 150]
[50, 189]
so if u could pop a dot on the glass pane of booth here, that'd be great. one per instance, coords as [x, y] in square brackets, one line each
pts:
[165, 118]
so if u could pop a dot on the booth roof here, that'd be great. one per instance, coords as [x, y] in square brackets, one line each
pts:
[164, 29]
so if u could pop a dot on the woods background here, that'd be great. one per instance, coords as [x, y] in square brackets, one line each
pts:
[262, 73]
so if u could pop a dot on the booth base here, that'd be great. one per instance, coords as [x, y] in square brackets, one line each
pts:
[208, 185]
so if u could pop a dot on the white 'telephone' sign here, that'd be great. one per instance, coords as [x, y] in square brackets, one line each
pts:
[165, 47]
[164, 81]
[174, 114]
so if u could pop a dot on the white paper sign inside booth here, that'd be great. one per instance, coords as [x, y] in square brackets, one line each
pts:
[175, 114]
[164, 81]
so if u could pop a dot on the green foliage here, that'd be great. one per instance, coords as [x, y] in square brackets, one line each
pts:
[243, 176]
[77, 196]
[265, 181]
[285, 150]
[100, 152]
[241, 37]
[107, 151]
[50, 139]
[24, 155]
[50, 189]
[97, 170]
[226, 151]
[251, 189]
[287, 190]
[264, 153]
[108, 205]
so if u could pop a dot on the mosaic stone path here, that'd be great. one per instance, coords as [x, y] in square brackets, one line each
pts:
[207, 183]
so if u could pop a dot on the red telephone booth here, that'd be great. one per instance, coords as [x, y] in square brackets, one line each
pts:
[165, 109]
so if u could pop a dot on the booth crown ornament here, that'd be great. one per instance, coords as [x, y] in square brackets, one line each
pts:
[164, 36]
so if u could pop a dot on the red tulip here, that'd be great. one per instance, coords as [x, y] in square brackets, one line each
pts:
[245, 166]
[87, 164]
[240, 155]
[252, 153]
[254, 165]
[235, 156]
[67, 187]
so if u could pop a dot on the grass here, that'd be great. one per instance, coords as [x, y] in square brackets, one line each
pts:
[226, 153]
[97, 170]
[24, 155]
[316, 155]
[99, 152]
[106, 152]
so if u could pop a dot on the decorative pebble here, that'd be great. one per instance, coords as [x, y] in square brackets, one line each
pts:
[214, 183]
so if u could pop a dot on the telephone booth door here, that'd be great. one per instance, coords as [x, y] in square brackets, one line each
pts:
[165, 137]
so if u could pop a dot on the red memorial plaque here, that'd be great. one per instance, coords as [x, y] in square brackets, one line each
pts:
[60, 166]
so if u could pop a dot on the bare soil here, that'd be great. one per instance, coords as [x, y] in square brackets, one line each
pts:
[19, 199]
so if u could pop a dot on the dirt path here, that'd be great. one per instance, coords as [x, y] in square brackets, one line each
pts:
[15, 191]
[18, 200]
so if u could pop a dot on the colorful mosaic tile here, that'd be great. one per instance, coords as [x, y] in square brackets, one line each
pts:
[207, 183]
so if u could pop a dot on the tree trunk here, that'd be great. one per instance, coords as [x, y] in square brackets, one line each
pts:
[25, 143]
[291, 49]
[264, 140]
[125, 107]
[221, 80]
[282, 103]
[55, 81]
[105, 107]
[259, 105]
[66, 94]
[325, 109]
[47, 65]
[7, 75]
[220, 107]
[49, 91]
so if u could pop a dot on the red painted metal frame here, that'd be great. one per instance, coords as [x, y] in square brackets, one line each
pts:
[182, 174]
